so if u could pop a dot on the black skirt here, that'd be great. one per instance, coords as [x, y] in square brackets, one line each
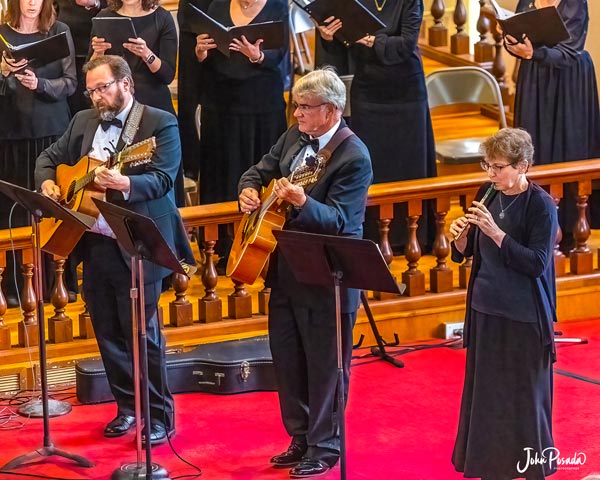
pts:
[506, 408]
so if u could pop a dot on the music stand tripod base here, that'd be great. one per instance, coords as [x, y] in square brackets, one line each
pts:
[133, 471]
[35, 409]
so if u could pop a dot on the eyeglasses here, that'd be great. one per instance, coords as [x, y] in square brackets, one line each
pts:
[303, 107]
[101, 89]
[497, 169]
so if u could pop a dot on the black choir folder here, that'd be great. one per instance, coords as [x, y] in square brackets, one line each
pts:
[273, 33]
[38, 53]
[114, 30]
[543, 26]
[357, 21]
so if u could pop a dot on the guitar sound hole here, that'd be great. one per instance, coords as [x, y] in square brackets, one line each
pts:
[70, 192]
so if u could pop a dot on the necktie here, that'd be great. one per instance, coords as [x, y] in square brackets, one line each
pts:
[312, 142]
[105, 124]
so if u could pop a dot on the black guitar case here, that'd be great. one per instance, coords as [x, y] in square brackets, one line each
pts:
[227, 367]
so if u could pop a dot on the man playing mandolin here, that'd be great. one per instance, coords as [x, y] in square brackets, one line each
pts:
[302, 317]
[115, 122]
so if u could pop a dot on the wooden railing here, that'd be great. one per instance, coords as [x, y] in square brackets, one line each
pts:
[487, 50]
[441, 190]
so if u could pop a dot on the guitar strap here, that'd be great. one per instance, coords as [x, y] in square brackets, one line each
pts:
[324, 154]
[131, 126]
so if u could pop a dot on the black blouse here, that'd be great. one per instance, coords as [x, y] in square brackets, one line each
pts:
[28, 114]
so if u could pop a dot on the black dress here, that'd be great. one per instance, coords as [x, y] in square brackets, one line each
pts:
[159, 32]
[506, 407]
[243, 109]
[390, 112]
[557, 103]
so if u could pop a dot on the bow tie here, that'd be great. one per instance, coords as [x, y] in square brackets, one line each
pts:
[105, 124]
[312, 142]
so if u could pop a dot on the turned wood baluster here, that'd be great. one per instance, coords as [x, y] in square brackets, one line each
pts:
[438, 33]
[560, 261]
[180, 309]
[581, 257]
[210, 306]
[86, 329]
[413, 278]
[28, 327]
[441, 274]
[483, 50]
[498, 66]
[265, 294]
[459, 42]
[60, 326]
[4, 329]
[239, 303]
[386, 215]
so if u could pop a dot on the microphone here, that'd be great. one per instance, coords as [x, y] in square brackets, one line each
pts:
[483, 199]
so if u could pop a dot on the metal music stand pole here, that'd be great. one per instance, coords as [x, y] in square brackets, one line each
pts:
[40, 206]
[337, 261]
[139, 236]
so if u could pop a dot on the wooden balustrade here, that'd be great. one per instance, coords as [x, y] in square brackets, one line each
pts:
[442, 190]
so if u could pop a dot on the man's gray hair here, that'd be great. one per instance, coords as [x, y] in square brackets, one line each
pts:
[323, 83]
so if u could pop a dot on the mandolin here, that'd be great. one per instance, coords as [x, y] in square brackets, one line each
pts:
[77, 188]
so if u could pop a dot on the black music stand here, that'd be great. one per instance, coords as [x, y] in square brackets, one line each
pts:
[40, 206]
[335, 261]
[140, 237]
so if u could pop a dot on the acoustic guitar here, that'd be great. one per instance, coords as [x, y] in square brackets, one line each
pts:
[77, 188]
[254, 240]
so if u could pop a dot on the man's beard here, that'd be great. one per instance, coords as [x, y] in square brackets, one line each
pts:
[108, 111]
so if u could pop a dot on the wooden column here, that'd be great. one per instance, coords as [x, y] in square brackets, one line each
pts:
[28, 332]
[581, 257]
[560, 261]
[210, 307]
[483, 50]
[180, 309]
[438, 33]
[86, 329]
[459, 42]
[386, 215]
[239, 303]
[4, 329]
[413, 278]
[265, 294]
[60, 326]
[441, 274]
[498, 66]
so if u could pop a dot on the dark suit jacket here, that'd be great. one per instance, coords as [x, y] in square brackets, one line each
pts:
[335, 206]
[151, 191]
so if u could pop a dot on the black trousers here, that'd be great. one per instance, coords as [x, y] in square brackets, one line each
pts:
[106, 287]
[303, 345]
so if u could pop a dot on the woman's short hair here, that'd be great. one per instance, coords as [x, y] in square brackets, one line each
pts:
[146, 4]
[323, 83]
[46, 18]
[118, 67]
[514, 144]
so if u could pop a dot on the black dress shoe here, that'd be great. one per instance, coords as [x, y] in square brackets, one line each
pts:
[309, 468]
[290, 457]
[119, 426]
[158, 434]
[11, 301]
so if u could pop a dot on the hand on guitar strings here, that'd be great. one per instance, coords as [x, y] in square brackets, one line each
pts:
[249, 200]
[113, 179]
[294, 194]
[50, 189]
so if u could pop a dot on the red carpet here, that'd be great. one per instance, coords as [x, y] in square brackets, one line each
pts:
[400, 424]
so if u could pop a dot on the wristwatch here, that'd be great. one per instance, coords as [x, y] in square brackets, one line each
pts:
[150, 58]
[96, 5]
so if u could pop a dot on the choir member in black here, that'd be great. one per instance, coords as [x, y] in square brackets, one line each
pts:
[189, 86]
[506, 409]
[33, 105]
[389, 101]
[243, 109]
[557, 98]
[78, 14]
[152, 56]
